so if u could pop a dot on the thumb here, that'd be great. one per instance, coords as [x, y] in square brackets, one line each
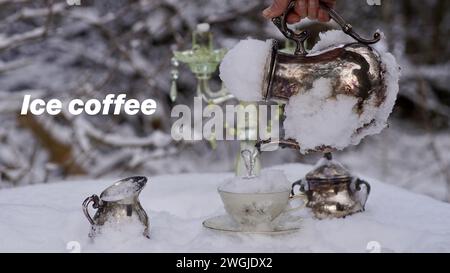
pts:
[276, 9]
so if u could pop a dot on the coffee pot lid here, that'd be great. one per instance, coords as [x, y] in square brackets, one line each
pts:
[328, 169]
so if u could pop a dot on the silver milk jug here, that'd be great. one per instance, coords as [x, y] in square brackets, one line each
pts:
[118, 204]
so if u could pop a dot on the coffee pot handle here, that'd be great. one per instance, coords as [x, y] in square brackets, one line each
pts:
[348, 28]
[95, 200]
[300, 38]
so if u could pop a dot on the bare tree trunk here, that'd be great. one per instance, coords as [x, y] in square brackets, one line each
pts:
[60, 153]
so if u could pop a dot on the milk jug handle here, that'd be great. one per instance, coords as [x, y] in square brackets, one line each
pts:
[95, 200]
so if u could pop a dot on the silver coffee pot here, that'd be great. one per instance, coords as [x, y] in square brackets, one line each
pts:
[355, 69]
[117, 204]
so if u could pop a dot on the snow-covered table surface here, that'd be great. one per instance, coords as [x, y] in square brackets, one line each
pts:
[47, 217]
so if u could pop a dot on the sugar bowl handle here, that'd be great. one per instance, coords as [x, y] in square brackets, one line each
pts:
[301, 195]
[96, 202]
[300, 184]
[358, 184]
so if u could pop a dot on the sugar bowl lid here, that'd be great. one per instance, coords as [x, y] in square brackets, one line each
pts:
[328, 170]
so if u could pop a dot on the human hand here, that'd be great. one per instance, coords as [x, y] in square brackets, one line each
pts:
[303, 9]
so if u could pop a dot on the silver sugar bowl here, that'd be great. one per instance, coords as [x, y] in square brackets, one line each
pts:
[331, 191]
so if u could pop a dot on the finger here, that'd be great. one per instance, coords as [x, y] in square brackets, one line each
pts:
[276, 9]
[323, 16]
[313, 9]
[293, 18]
[301, 8]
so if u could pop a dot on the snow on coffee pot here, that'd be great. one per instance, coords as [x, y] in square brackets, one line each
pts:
[118, 206]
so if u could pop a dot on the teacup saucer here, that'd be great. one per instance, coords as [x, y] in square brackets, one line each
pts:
[285, 223]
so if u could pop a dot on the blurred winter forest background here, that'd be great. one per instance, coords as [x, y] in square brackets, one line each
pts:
[52, 49]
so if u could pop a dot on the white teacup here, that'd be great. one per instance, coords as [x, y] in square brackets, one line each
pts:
[256, 211]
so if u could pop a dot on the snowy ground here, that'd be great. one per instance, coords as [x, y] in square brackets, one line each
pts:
[48, 217]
